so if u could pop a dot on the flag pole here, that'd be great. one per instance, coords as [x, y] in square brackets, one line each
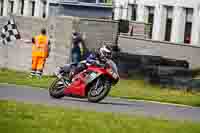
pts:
[6, 48]
[6, 56]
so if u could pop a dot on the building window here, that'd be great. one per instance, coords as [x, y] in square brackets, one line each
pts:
[134, 12]
[21, 7]
[44, 5]
[97, 1]
[32, 8]
[11, 6]
[2, 3]
[168, 28]
[105, 1]
[102, 1]
[150, 19]
[188, 25]
[88, 1]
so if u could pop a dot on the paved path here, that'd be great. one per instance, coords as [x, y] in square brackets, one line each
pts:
[40, 96]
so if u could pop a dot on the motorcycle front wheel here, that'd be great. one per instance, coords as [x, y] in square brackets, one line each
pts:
[99, 90]
[56, 89]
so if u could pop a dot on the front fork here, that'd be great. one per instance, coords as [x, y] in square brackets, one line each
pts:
[65, 83]
[97, 90]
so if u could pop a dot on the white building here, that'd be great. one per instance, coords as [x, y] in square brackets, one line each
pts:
[172, 20]
[44, 8]
[37, 8]
[177, 21]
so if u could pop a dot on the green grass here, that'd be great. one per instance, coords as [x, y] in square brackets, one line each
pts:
[26, 118]
[138, 89]
[22, 78]
[132, 89]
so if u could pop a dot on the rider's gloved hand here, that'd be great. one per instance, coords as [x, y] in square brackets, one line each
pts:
[106, 66]
[101, 65]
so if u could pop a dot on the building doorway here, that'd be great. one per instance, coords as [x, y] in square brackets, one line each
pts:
[134, 12]
[44, 6]
[32, 8]
[188, 26]
[187, 35]
[10, 6]
[150, 20]
[2, 3]
[169, 20]
[168, 29]
[21, 3]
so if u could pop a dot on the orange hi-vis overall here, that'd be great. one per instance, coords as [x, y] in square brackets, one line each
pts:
[39, 54]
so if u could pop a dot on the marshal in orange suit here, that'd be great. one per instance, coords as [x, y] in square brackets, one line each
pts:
[40, 51]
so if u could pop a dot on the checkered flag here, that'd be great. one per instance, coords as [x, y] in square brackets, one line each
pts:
[9, 32]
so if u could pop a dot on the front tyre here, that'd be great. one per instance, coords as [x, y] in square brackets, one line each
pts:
[56, 89]
[99, 90]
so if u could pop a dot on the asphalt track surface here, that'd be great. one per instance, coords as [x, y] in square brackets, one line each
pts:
[116, 105]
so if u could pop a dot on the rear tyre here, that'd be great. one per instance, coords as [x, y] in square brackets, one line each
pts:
[101, 95]
[56, 89]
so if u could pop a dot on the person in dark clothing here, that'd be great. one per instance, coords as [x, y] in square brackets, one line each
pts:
[77, 47]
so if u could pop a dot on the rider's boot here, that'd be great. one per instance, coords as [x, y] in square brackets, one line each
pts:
[59, 72]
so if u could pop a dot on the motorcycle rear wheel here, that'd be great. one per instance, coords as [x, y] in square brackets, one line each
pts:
[57, 90]
[106, 89]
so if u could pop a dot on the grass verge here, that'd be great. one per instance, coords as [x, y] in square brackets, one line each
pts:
[132, 89]
[23, 118]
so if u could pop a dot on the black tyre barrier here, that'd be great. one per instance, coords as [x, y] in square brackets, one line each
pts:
[172, 82]
[166, 82]
[195, 84]
[166, 71]
[157, 70]
[123, 26]
[174, 71]
[175, 77]
[182, 83]
[143, 61]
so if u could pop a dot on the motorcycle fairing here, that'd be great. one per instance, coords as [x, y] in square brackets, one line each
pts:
[78, 86]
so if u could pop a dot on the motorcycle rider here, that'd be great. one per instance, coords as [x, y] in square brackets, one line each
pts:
[98, 58]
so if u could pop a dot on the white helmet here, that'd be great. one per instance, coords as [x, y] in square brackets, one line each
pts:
[105, 52]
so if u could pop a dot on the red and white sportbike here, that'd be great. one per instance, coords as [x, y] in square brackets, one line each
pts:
[93, 83]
